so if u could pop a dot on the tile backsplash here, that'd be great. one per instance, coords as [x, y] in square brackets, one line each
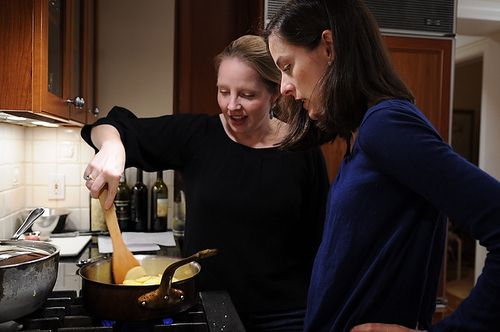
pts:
[32, 158]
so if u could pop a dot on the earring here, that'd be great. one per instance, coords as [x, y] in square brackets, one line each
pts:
[271, 111]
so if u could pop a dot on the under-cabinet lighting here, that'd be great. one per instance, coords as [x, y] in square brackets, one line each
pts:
[11, 117]
[44, 124]
[28, 120]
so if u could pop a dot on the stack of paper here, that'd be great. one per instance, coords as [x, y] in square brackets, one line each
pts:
[137, 241]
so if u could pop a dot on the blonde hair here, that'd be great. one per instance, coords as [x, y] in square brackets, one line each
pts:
[253, 51]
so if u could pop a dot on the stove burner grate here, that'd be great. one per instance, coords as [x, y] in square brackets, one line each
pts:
[64, 311]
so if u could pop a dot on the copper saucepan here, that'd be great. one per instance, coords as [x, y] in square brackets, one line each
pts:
[129, 303]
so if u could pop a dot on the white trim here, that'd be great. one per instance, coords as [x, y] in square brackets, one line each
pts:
[470, 51]
[479, 9]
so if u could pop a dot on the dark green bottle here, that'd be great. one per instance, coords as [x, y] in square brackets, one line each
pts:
[122, 204]
[139, 205]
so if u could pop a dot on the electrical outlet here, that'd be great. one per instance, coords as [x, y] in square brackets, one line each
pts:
[67, 151]
[56, 186]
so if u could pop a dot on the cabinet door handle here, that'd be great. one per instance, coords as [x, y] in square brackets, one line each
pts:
[79, 102]
[94, 112]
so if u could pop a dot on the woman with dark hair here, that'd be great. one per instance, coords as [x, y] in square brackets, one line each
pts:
[261, 207]
[378, 265]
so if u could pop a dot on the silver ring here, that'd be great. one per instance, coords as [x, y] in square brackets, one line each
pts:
[88, 177]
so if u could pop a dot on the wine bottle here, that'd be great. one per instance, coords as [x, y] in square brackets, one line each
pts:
[139, 205]
[122, 204]
[159, 204]
[179, 216]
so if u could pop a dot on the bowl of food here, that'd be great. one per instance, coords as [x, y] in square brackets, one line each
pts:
[51, 221]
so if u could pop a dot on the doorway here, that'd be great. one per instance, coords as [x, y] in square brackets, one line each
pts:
[465, 140]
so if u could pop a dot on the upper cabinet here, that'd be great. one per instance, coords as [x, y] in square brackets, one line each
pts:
[425, 65]
[47, 67]
[195, 75]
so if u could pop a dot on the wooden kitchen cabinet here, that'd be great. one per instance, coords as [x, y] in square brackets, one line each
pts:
[425, 65]
[195, 75]
[47, 67]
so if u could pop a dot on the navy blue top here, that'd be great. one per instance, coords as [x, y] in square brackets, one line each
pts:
[263, 209]
[383, 242]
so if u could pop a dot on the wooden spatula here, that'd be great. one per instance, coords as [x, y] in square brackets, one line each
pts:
[122, 259]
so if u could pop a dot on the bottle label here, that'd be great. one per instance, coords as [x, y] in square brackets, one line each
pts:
[122, 210]
[162, 207]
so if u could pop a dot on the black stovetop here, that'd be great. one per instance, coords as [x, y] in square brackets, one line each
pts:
[64, 311]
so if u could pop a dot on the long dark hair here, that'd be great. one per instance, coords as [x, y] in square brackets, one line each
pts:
[360, 75]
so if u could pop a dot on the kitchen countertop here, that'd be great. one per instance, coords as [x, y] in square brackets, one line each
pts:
[91, 251]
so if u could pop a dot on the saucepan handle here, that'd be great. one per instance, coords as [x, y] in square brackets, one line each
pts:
[84, 262]
[166, 296]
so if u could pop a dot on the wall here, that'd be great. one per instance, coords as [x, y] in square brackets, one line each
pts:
[135, 55]
[467, 89]
[489, 155]
[12, 182]
[467, 109]
[135, 63]
[29, 157]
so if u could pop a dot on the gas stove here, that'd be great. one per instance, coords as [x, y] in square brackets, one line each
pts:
[64, 311]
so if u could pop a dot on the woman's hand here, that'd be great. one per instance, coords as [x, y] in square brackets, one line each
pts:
[107, 165]
[377, 327]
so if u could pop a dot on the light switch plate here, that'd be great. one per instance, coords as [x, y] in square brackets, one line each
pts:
[56, 186]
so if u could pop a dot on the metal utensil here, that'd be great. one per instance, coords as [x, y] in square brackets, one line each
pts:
[28, 222]
[8, 252]
[79, 233]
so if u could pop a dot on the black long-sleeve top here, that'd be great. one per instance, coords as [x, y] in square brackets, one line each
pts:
[262, 208]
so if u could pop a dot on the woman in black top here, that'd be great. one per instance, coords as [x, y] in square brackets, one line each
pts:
[262, 207]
